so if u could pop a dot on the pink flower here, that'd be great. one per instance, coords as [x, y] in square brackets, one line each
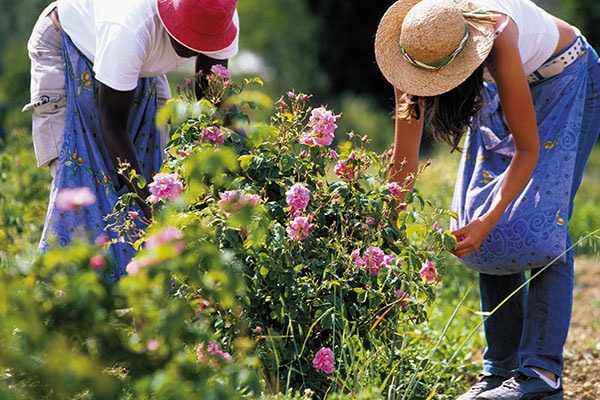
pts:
[212, 351]
[101, 240]
[97, 262]
[394, 188]
[428, 271]
[333, 154]
[370, 221]
[152, 345]
[343, 170]
[164, 186]
[436, 226]
[322, 123]
[203, 304]
[324, 361]
[373, 259]
[221, 71]
[299, 227]
[68, 199]
[233, 201]
[404, 297]
[165, 235]
[251, 199]
[213, 134]
[297, 197]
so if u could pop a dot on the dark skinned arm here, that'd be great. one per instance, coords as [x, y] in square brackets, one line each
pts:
[114, 114]
[204, 63]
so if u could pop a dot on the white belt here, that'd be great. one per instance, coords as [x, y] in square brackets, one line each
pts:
[559, 62]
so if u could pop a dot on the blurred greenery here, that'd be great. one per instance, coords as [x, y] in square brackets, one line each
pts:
[320, 47]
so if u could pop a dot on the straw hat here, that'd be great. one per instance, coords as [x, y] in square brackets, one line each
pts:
[200, 25]
[429, 47]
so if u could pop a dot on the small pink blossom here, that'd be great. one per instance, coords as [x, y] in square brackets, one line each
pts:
[101, 240]
[370, 221]
[394, 188]
[69, 199]
[297, 197]
[165, 235]
[322, 123]
[299, 227]
[133, 214]
[373, 259]
[97, 262]
[324, 360]
[213, 134]
[428, 271]
[403, 296]
[343, 170]
[152, 345]
[436, 226]
[333, 154]
[164, 187]
[203, 304]
[221, 71]
[233, 201]
[212, 351]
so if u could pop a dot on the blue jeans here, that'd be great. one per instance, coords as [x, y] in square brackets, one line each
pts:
[530, 330]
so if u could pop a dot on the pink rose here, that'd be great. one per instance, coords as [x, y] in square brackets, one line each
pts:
[299, 227]
[297, 197]
[322, 123]
[324, 361]
[164, 186]
[428, 271]
[69, 199]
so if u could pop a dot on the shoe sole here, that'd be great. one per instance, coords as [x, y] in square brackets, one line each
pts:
[554, 396]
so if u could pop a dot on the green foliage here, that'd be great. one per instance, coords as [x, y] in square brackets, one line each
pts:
[23, 196]
[225, 298]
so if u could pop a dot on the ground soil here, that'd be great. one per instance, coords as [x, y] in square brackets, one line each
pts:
[581, 380]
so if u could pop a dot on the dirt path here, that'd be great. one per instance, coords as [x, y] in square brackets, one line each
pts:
[581, 379]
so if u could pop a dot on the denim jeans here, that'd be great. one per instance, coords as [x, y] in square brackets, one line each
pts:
[531, 328]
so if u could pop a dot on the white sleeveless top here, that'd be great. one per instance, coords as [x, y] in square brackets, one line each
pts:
[538, 33]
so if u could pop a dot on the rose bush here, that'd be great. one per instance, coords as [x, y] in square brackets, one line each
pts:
[331, 254]
[278, 259]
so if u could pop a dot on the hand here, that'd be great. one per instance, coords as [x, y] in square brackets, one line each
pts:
[470, 237]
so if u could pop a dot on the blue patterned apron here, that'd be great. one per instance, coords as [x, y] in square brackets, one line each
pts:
[533, 231]
[81, 162]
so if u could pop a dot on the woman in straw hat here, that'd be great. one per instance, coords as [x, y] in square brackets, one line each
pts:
[97, 74]
[524, 83]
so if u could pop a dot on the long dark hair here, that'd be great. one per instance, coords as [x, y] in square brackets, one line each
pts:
[448, 114]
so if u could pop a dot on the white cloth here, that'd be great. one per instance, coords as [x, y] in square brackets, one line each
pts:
[124, 39]
[538, 33]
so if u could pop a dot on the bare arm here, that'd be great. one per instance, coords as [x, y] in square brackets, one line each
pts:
[517, 106]
[114, 114]
[204, 64]
[407, 142]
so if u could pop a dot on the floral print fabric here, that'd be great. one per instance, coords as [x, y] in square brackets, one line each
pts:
[82, 162]
[533, 231]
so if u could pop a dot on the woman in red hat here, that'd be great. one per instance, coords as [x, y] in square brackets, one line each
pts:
[97, 75]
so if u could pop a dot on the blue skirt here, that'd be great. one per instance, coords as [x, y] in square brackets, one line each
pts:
[81, 162]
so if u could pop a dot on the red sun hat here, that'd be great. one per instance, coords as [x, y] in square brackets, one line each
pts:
[200, 25]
